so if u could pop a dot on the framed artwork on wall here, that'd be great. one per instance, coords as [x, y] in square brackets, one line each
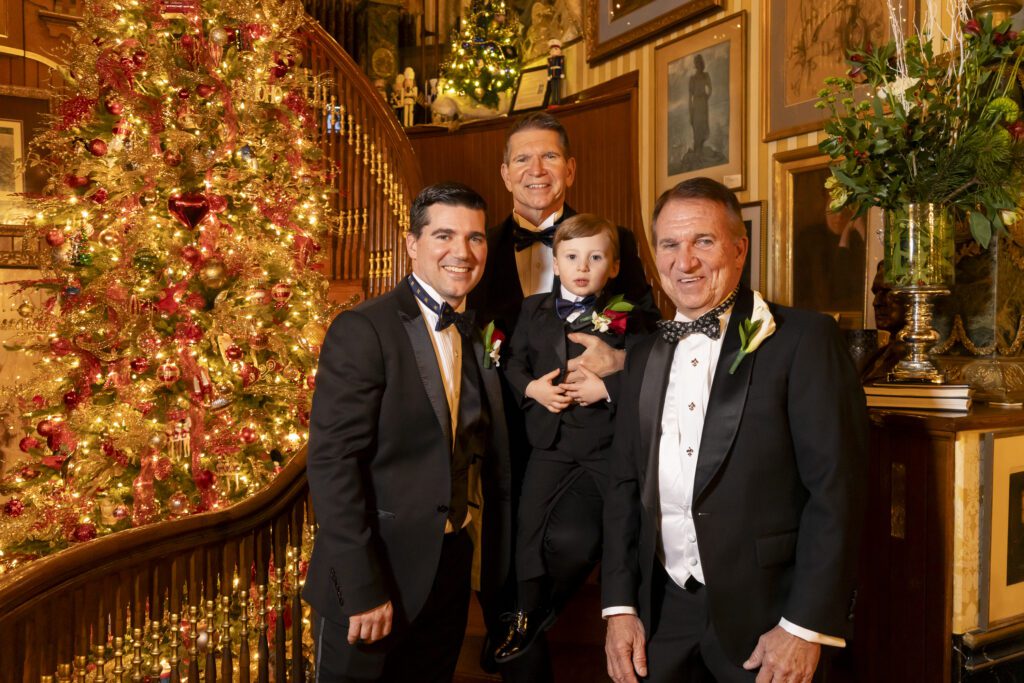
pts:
[531, 90]
[12, 178]
[819, 256]
[544, 20]
[805, 42]
[612, 26]
[755, 219]
[1001, 575]
[700, 88]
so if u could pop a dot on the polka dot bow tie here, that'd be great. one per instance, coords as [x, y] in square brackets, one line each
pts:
[708, 324]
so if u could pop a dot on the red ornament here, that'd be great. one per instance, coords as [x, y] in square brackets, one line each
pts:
[121, 128]
[250, 374]
[278, 71]
[84, 532]
[108, 449]
[258, 340]
[38, 401]
[304, 418]
[204, 90]
[28, 443]
[45, 427]
[259, 296]
[234, 352]
[168, 373]
[139, 364]
[114, 107]
[172, 158]
[195, 301]
[184, 94]
[311, 381]
[120, 511]
[60, 346]
[191, 254]
[27, 472]
[14, 508]
[72, 399]
[162, 469]
[139, 56]
[75, 181]
[97, 147]
[217, 203]
[248, 435]
[281, 292]
[1016, 129]
[190, 208]
[55, 237]
[99, 196]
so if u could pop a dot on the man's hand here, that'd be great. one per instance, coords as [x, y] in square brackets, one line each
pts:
[590, 390]
[600, 359]
[551, 396]
[783, 658]
[624, 647]
[370, 626]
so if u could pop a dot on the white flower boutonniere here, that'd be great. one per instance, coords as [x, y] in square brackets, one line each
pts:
[753, 331]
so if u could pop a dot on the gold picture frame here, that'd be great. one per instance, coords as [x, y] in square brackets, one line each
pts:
[1001, 571]
[755, 218]
[613, 26]
[699, 122]
[805, 41]
[817, 257]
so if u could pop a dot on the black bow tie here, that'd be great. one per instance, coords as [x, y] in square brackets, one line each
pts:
[566, 307]
[446, 315]
[524, 238]
[708, 324]
[463, 321]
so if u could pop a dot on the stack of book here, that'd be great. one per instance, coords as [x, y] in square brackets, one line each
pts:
[907, 395]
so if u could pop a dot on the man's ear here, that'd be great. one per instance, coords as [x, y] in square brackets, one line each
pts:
[570, 172]
[504, 177]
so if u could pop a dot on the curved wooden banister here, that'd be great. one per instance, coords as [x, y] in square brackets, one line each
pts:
[377, 174]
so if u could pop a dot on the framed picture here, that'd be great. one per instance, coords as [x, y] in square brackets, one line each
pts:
[699, 105]
[20, 247]
[755, 219]
[818, 259]
[1001, 575]
[544, 20]
[806, 41]
[615, 25]
[531, 91]
[12, 178]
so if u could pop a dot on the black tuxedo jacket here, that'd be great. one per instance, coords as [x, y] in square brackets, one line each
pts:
[538, 346]
[778, 492]
[379, 464]
[499, 296]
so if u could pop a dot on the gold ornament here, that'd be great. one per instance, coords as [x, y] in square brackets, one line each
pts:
[219, 36]
[26, 309]
[158, 440]
[110, 237]
[214, 274]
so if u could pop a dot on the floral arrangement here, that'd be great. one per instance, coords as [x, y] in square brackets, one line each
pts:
[614, 316]
[943, 129]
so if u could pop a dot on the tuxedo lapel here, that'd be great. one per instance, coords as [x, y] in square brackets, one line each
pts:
[426, 359]
[652, 402]
[552, 328]
[728, 397]
[506, 272]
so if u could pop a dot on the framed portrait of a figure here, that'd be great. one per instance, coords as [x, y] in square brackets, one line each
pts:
[700, 100]
[1001, 571]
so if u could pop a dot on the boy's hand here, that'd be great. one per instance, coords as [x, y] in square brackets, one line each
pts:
[590, 389]
[551, 396]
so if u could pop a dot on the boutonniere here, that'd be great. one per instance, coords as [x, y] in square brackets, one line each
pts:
[613, 317]
[493, 337]
[754, 330]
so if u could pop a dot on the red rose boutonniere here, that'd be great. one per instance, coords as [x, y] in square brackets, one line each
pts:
[493, 338]
[614, 316]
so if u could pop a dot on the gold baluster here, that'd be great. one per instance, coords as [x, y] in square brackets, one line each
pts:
[209, 617]
[373, 265]
[80, 663]
[359, 140]
[99, 655]
[46, 679]
[63, 673]
[193, 628]
[137, 655]
[262, 597]
[351, 129]
[225, 628]
[380, 164]
[387, 266]
[366, 147]
[119, 659]
[243, 634]
[391, 183]
[366, 220]
[155, 668]
[175, 644]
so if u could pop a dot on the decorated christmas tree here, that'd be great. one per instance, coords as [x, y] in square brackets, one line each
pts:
[184, 303]
[484, 58]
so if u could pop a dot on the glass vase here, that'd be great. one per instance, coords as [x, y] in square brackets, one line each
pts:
[919, 252]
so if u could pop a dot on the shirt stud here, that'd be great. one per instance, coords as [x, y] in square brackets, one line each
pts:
[692, 405]
[694, 362]
[689, 451]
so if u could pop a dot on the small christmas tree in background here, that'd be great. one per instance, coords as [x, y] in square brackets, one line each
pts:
[484, 59]
[184, 212]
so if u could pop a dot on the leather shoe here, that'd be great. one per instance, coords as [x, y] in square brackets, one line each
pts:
[522, 631]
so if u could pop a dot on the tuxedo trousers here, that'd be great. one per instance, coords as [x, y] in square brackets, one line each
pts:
[683, 646]
[426, 650]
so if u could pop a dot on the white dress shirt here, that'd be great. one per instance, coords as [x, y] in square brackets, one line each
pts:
[536, 272]
[682, 425]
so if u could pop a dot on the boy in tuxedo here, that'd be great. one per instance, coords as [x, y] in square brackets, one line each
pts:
[569, 425]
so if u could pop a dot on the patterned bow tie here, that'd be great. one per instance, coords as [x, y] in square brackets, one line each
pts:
[708, 324]
[446, 315]
[463, 321]
[524, 238]
[565, 307]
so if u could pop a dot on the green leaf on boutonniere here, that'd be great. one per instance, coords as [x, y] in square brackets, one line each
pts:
[618, 304]
[748, 329]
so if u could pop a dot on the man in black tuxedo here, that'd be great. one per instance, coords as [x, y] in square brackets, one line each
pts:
[406, 433]
[737, 478]
[538, 169]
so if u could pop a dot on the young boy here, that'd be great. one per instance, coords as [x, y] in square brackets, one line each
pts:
[569, 426]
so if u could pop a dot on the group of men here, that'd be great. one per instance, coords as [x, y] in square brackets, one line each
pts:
[727, 530]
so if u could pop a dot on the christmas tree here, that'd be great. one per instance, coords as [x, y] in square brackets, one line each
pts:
[185, 308]
[484, 59]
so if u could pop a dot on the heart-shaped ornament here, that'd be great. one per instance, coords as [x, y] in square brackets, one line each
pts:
[190, 208]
